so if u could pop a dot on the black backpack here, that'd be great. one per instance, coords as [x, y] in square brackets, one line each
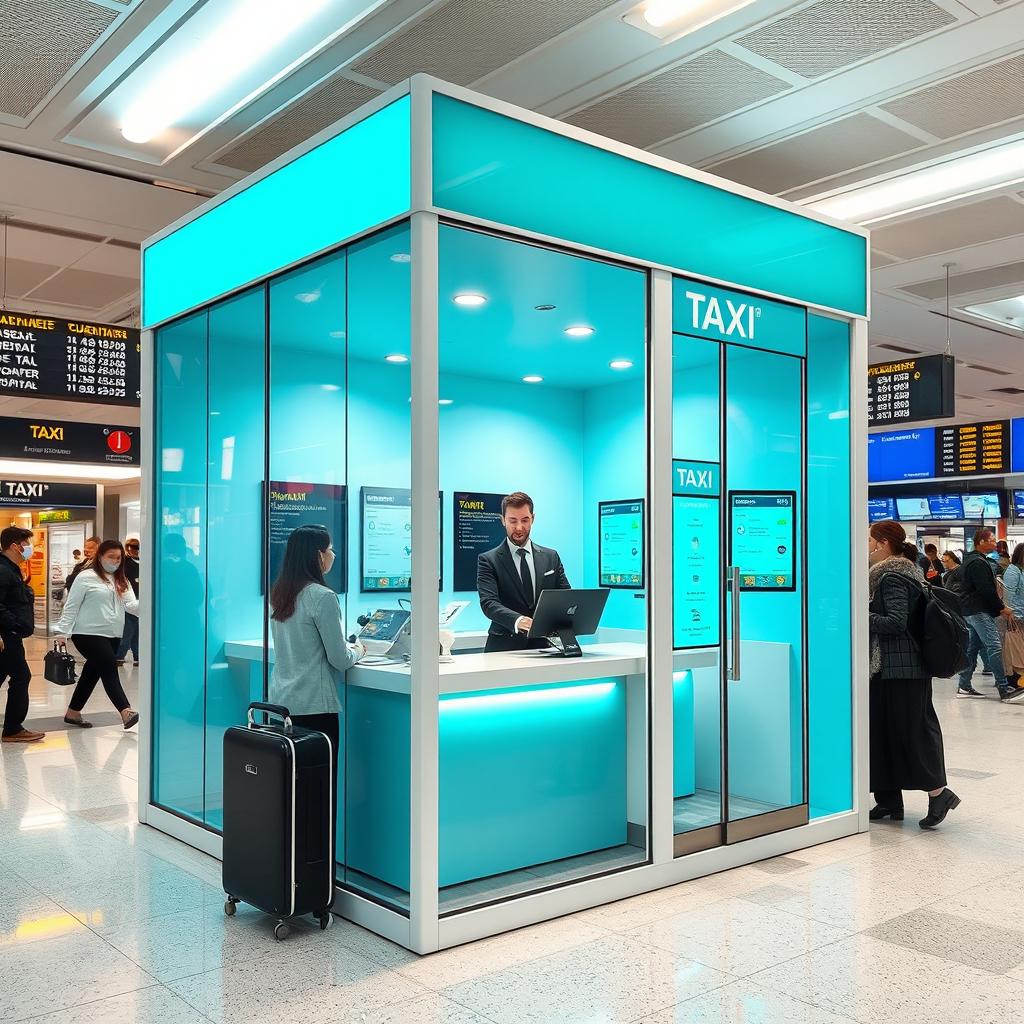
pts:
[941, 632]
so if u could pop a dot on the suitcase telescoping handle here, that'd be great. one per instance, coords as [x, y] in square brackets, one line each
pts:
[271, 711]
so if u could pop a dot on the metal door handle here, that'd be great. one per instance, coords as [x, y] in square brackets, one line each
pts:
[733, 583]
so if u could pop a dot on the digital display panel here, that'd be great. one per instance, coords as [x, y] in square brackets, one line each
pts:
[696, 544]
[291, 505]
[982, 506]
[1017, 445]
[74, 360]
[762, 539]
[477, 528]
[966, 449]
[1018, 504]
[386, 538]
[946, 506]
[895, 455]
[621, 544]
[911, 389]
[911, 509]
[881, 508]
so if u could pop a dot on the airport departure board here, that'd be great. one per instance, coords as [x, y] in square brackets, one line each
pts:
[74, 360]
[911, 390]
[972, 449]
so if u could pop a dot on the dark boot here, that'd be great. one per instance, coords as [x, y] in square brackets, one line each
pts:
[938, 807]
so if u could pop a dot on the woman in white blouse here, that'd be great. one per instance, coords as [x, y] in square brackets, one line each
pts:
[93, 617]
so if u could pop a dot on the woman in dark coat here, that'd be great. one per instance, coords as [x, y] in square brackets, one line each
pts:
[906, 739]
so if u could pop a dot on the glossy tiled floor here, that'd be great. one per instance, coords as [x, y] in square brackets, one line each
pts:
[103, 922]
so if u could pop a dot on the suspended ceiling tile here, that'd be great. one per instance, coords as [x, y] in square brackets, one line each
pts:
[965, 103]
[683, 97]
[316, 110]
[464, 40]
[843, 145]
[833, 34]
[987, 220]
[86, 289]
[40, 42]
[975, 281]
[23, 275]
[879, 259]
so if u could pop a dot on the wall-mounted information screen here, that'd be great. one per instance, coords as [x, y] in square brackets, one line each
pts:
[901, 454]
[881, 508]
[386, 541]
[478, 528]
[696, 548]
[911, 390]
[74, 360]
[982, 506]
[291, 505]
[946, 506]
[620, 544]
[911, 509]
[762, 539]
[965, 449]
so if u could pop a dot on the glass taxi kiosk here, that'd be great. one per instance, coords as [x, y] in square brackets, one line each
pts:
[437, 301]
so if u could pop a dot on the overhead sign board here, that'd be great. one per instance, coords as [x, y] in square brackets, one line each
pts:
[69, 441]
[971, 449]
[74, 360]
[911, 390]
[32, 493]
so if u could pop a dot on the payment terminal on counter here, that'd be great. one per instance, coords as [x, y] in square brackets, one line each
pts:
[387, 633]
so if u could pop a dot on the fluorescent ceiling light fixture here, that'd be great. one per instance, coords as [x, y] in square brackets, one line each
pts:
[672, 19]
[928, 186]
[621, 364]
[69, 470]
[469, 299]
[579, 331]
[445, 401]
[401, 257]
[245, 33]
[396, 357]
[532, 378]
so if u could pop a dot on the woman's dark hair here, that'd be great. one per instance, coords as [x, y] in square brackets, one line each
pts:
[118, 576]
[953, 556]
[889, 532]
[301, 566]
[1003, 548]
[1018, 556]
[910, 551]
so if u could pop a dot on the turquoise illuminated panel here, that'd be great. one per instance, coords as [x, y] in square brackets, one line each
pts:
[352, 182]
[495, 167]
[719, 314]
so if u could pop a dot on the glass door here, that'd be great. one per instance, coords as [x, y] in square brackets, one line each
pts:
[763, 575]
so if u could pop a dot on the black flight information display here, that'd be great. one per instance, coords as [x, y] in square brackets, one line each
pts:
[46, 357]
[911, 390]
[965, 449]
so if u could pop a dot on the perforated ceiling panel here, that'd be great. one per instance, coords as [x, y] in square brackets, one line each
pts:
[315, 111]
[845, 144]
[983, 221]
[87, 289]
[40, 41]
[463, 40]
[683, 97]
[975, 281]
[966, 102]
[833, 34]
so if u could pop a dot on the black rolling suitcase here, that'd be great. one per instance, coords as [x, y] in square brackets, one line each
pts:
[278, 818]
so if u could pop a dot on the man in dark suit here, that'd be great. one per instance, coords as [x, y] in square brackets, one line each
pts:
[510, 577]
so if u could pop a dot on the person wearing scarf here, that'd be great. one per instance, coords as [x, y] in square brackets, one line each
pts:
[906, 739]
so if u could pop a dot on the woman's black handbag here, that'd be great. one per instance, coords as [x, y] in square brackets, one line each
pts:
[59, 666]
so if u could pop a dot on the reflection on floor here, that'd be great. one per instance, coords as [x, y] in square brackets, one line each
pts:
[705, 808]
[103, 921]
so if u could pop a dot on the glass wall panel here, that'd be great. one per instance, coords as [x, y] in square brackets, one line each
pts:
[179, 611]
[236, 473]
[543, 390]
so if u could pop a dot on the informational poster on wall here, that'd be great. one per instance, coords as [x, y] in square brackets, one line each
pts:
[477, 528]
[386, 548]
[762, 538]
[291, 505]
[621, 544]
[696, 554]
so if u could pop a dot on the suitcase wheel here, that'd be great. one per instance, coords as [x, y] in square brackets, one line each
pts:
[325, 919]
[281, 931]
[229, 906]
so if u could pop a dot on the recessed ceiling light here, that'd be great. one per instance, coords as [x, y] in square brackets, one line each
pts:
[396, 357]
[533, 379]
[671, 19]
[445, 401]
[330, 387]
[469, 299]
[621, 364]
[401, 257]
[579, 331]
[308, 296]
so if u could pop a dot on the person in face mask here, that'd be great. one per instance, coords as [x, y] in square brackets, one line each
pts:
[93, 617]
[905, 736]
[309, 636]
[17, 621]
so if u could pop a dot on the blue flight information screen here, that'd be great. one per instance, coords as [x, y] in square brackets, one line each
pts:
[982, 506]
[901, 455]
[763, 539]
[946, 506]
[1018, 504]
[621, 544]
[881, 508]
